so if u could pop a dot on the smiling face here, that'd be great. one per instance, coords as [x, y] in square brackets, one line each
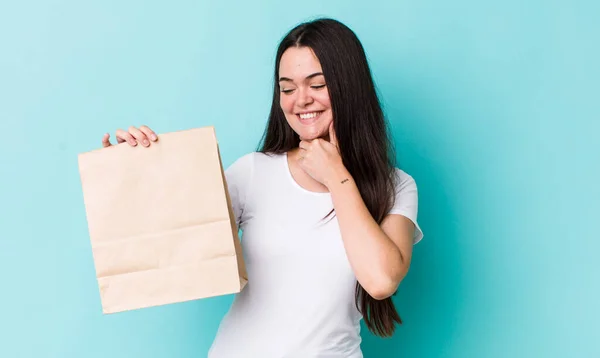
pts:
[304, 98]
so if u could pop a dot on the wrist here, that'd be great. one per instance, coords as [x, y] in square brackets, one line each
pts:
[338, 176]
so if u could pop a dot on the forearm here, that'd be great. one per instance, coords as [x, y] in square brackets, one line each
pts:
[377, 262]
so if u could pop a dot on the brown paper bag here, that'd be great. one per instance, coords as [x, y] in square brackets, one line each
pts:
[160, 221]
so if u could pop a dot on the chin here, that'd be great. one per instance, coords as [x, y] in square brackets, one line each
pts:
[305, 134]
[311, 132]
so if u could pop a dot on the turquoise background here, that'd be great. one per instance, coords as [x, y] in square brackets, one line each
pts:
[494, 107]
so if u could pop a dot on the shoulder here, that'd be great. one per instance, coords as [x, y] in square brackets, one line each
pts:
[406, 201]
[242, 161]
[238, 172]
[249, 160]
[404, 181]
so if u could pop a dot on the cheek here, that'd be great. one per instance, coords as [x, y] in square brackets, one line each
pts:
[287, 104]
[323, 98]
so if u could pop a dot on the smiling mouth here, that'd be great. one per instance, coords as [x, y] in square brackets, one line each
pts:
[309, 117]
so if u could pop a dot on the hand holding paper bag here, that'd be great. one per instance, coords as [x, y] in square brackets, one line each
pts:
[160, 220]
[133, 136]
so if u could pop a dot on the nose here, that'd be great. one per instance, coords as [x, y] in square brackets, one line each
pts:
[304, 98]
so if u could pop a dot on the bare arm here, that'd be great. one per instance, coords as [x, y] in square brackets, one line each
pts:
[379, 255]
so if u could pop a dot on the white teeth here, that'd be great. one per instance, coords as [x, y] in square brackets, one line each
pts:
[308, 115]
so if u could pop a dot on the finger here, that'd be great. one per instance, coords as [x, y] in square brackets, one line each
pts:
[301, 151]
[304, 145]
[106, 140]
[139, 136]
[300, 157]
[123, 136]
[332, 135]
[149, 133]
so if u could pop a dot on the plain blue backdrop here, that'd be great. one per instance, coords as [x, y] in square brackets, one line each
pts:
[494, 109]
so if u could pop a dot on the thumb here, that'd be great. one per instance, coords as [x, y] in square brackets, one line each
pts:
[106, 140]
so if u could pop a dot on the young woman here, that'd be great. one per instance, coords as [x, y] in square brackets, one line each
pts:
[328, 220]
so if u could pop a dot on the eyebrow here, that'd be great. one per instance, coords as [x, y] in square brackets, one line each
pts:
[307, 77]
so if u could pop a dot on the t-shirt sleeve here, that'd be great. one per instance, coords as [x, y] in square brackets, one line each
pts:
[238, 177]
[407, 201]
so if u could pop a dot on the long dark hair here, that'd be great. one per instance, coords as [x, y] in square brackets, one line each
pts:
[362, 133]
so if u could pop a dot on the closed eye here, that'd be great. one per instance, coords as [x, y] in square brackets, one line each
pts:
[289, 91]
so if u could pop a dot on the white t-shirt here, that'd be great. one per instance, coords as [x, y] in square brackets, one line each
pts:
[299, 300]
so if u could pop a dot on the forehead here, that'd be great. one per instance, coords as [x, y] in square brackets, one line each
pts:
[298, 62]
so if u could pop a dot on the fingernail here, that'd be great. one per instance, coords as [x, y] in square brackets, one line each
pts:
[145, 141]
[132, 142]
[153, 137]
